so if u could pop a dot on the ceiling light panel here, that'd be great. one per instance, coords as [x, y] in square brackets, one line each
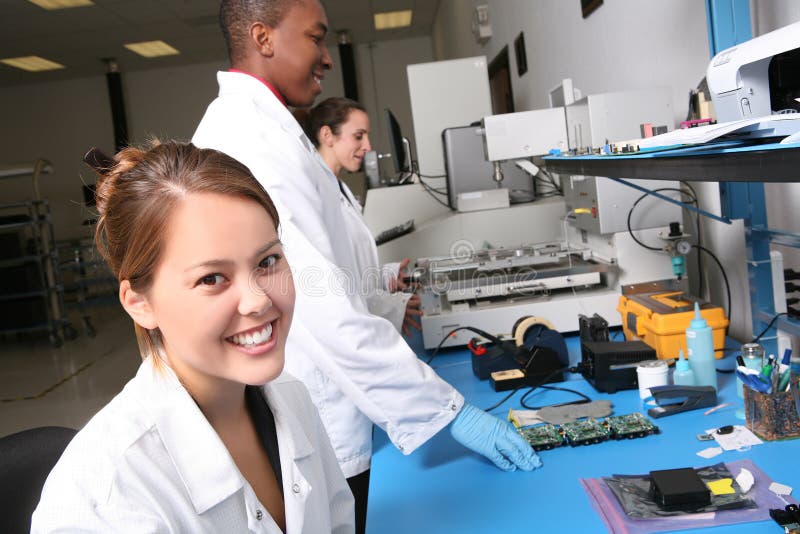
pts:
[61, 4]
[393, 19]
[32, 63]
[152, 49]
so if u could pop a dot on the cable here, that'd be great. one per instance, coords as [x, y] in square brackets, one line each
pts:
[481, 333]
[724, 275]
[583, 398]
[503, 400]
[701, 287]
[772, 322]
[439, 191]
[551, 180]
[432, 175]
[630, 212]
[433, 194]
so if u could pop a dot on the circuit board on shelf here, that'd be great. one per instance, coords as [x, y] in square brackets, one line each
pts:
[633, 425]
[542, 437]
[585, 432]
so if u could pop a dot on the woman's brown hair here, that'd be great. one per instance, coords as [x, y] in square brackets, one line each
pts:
[136, 197]
[331, 112]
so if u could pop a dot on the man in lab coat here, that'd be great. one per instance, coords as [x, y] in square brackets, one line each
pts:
[356, 366]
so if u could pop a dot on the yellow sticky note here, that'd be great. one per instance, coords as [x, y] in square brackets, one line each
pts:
[723, 486]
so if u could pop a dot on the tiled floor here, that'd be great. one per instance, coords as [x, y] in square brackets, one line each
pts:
[86, 372]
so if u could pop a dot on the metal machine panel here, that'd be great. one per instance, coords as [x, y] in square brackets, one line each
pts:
[611, 201]
[524, 134]
[468, 170]
[596, 119]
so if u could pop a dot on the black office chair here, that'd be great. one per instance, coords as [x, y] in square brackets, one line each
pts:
[26, 458]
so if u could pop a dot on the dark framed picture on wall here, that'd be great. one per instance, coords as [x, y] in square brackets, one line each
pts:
[522, 57]
[588, 6]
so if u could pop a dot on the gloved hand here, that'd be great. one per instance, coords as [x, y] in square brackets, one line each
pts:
[491, 437]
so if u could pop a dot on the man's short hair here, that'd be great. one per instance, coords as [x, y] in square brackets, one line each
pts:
[236, 16]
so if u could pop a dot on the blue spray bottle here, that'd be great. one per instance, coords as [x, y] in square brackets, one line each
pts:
[700, 342]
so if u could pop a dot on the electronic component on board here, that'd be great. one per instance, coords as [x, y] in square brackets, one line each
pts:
[585, 432]
[633, 425]
[542, 437]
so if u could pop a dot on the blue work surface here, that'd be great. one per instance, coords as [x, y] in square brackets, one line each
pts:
[444, 488]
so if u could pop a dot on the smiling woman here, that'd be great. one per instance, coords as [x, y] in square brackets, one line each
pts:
[339, 128]
[209, 434]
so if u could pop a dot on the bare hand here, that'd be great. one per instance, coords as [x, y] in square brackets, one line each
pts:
[412, 312]
[398, 284]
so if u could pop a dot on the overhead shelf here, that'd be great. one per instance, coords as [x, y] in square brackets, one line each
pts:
[771, 162]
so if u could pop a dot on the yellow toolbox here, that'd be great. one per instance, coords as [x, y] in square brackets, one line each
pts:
[661, 318]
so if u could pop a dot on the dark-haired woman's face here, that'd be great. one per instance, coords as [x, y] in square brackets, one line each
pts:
[222, 295]
[353, 141]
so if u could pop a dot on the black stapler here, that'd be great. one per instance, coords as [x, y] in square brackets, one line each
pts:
[677, 399]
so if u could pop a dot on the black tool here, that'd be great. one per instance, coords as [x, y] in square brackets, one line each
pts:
[788, 518]
[395, 232]
[593, 328]
[678, 399]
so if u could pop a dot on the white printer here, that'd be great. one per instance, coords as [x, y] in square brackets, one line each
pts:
[757, 78]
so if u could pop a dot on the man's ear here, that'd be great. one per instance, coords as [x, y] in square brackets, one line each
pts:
[262, 38]
[137, 306]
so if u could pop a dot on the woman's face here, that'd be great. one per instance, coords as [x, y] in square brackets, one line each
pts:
[353, 141]
[223, 294]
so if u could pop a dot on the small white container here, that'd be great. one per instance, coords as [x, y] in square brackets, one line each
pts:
[651, 373]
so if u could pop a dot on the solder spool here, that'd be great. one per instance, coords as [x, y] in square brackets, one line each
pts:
[522, 325]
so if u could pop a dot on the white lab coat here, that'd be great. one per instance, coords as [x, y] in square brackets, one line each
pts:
[149, 461]
[356, 366]
[380, 301]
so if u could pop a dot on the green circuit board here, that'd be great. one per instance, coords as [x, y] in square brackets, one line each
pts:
[542, 437]
[634, 425]
[588, 431]
[585, 432]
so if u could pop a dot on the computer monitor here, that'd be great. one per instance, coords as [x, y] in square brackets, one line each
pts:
[398, 145]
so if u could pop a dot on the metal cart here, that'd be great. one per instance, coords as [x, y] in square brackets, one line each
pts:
[31, 294]
[87, 280]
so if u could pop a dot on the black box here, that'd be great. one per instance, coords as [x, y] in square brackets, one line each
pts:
[611, 366]
[496, 358]
[679, 489]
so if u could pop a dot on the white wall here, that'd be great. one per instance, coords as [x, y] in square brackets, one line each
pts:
[383, 83]
[625, 44]
[57, 121]
[768, 15]
[60, 121]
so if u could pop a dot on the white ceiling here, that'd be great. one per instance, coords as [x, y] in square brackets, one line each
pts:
[79, 38]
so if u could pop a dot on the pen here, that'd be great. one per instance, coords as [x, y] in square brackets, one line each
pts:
[783, 383]
[787, 357]
[766, 370]
[774, 379]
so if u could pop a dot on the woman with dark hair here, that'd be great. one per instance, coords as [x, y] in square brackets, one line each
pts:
[339, 128]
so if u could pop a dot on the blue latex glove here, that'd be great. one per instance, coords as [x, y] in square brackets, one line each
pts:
[491, 437]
